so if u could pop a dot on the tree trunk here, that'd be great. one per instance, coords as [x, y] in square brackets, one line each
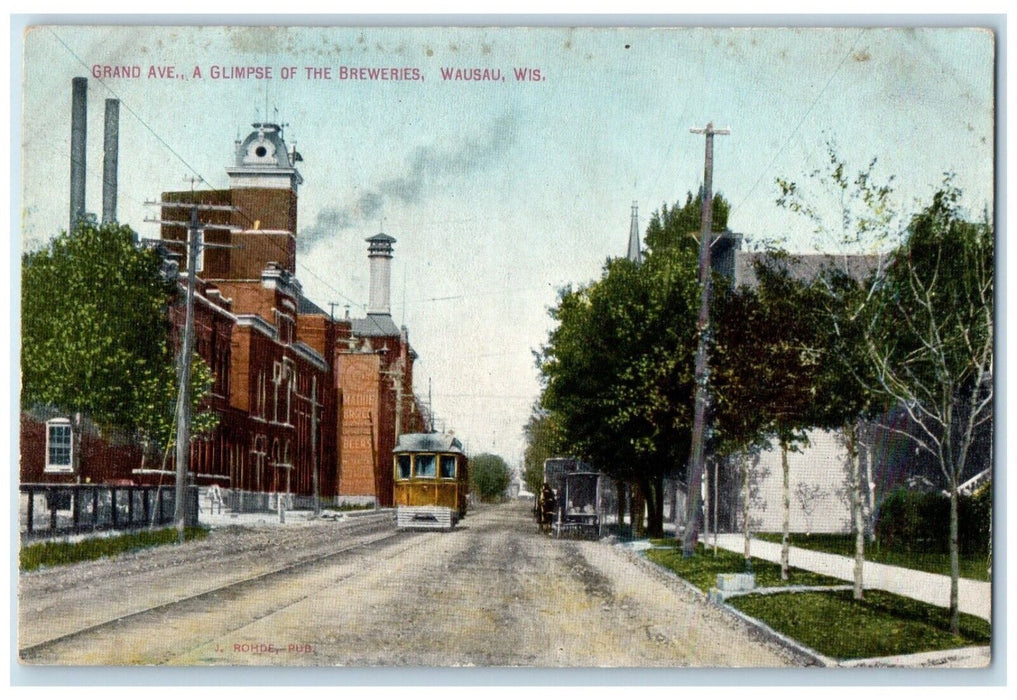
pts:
[707, 487]
[638, 505]
[745, 509]
[855, 485]
[870, 493]
[716, 502]
[954, 561]
[654, 490]
[785, 540]
[619, 487]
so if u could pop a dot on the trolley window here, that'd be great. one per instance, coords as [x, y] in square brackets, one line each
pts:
[403, 467]
[448, 466]
[425, 466]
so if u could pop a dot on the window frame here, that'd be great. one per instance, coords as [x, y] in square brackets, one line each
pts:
[59, 424]
[455, 466]
[409, 465]
[434, 466]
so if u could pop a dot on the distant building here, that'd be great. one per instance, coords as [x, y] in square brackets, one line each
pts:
[819, 501]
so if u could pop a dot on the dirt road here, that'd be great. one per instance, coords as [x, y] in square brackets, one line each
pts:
[491, 593]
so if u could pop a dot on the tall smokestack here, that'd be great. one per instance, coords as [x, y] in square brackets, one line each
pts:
[79, 129]
[379, 252]
[111, 138]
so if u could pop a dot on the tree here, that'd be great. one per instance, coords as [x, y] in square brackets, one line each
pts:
[791, 351]
[96, 336]
[489, 475]
[739, 425]
[931, 341]
[156, 423]
[864, 223]
[543, 441]
[618, 367]
[808, 497]
[678, 226]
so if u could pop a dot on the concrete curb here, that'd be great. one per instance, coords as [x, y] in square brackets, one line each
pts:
[799, 651]
[981, 654]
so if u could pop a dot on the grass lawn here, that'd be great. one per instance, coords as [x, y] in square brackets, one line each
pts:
[883, 624]
[34, 556]
[701, 570]
[970, 567]
[830, 622]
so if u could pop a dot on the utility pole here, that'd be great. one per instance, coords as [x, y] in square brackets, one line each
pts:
[695, 472]
[396, 376]
[314, 444]
[183, 437]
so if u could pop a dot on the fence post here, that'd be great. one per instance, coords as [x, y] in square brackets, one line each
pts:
[31, 510]
[113, 506]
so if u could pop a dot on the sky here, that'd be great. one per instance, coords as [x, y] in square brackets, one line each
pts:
[501, 192]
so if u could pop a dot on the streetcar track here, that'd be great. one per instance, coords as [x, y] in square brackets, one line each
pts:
[296, 601]
[34, 650]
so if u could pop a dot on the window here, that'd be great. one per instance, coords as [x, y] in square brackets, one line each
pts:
[403, 467]
[425, 466]
[448, 467]
[59, 446]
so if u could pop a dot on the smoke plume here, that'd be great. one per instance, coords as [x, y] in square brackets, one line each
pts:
[426, 168]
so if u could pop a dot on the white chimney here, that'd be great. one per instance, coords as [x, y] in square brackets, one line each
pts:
[379, 252]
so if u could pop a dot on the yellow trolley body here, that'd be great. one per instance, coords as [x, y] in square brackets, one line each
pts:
[431, 481]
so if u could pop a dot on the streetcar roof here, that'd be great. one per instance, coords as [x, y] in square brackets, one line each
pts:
[428, 442]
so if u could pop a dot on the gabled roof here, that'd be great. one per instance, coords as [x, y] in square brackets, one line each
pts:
[806, 266]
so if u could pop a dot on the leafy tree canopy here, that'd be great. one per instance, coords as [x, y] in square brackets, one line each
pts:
[543, 441]
[96, 331]
[489, 475]
[679, 225]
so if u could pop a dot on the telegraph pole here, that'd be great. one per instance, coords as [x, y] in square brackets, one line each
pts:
[183, 437]
[314, 443]
[695, 472]
[184, 395]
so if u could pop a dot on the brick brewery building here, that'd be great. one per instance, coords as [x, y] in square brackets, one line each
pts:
[290, 380]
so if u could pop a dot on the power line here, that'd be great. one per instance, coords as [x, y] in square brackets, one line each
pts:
[801, 120]
[128, 107]
[191, 168]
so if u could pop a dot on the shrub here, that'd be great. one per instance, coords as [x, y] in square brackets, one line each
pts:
[920, 522]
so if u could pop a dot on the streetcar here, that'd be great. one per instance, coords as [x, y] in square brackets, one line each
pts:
[431, 481]
[569, 502]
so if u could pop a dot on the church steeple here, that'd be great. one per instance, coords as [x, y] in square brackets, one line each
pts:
[635, 254]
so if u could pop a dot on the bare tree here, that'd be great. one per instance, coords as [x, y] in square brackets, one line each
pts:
[808, 497]
[865, 226]
[931, 341]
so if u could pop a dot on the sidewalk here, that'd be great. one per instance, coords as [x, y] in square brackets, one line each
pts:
[227, 518]
[975, 597]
